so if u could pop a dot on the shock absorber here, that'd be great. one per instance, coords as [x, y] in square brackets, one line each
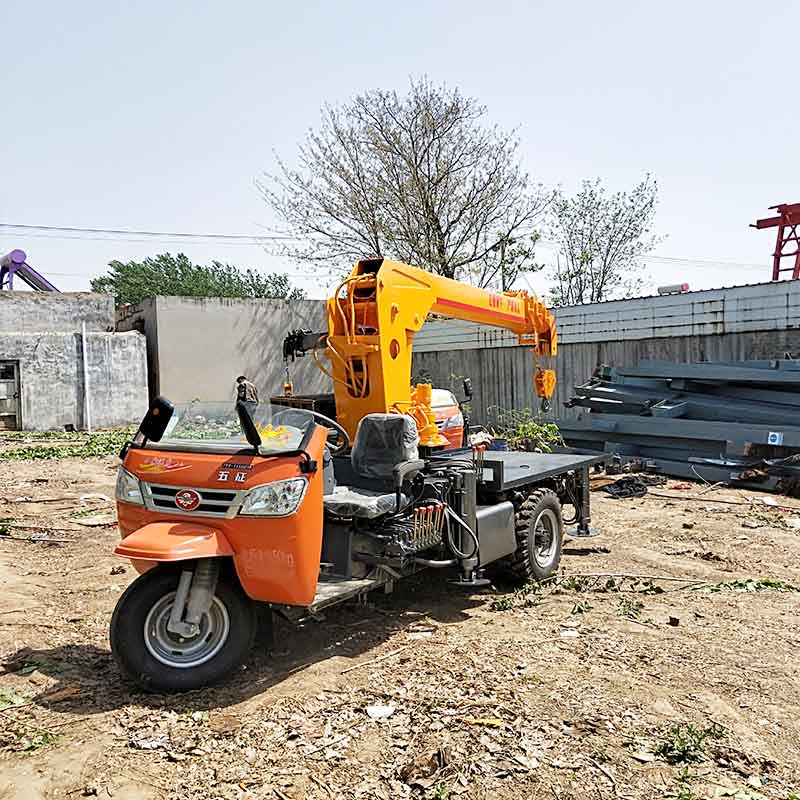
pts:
[200, 595]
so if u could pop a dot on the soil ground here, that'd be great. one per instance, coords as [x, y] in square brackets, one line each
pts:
[586, 688]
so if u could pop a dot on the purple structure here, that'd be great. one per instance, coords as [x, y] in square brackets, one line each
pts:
[14, 263]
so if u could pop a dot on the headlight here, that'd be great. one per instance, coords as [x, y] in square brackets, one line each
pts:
[277, 499]
[454, 422]
[129, 489]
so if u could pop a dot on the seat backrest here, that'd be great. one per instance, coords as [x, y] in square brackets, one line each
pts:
[382, 442]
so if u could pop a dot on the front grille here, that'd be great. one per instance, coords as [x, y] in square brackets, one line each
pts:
[212, 502]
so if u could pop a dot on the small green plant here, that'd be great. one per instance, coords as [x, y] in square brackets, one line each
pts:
[439, 792]
[524, 431]
[631, 609]
[581, 607]
[686, 744]
[753, 585]
[38, 740]
[102, 443]
[9, 698]
[524, 597]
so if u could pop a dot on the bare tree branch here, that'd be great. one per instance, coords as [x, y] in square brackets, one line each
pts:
[418, 177]
[602, 239]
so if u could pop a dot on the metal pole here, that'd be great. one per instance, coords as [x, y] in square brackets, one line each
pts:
[87, 419]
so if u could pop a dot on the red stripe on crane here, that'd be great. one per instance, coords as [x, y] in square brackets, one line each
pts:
[490, 312]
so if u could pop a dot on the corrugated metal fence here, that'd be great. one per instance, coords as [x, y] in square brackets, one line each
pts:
[757, 321]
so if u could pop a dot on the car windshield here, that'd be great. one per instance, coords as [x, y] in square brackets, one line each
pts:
[442, 397]
[215, 427]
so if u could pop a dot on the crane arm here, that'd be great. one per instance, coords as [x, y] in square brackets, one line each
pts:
[372, 319]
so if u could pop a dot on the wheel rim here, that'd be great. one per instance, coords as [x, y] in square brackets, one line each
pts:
[545, 535]
[175, 651]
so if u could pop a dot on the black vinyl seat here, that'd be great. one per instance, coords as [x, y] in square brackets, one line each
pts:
[384, 453]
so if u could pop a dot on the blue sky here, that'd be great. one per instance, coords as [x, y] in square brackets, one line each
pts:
[154, 115]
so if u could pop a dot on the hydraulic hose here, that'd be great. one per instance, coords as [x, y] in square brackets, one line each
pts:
[428, 562]
[467, 528]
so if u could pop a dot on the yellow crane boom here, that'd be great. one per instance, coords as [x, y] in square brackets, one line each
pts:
[372, 318]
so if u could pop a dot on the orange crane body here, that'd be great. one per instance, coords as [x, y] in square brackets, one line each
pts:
[372, 319]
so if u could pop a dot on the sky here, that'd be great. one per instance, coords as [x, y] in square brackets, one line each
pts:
[160, 116]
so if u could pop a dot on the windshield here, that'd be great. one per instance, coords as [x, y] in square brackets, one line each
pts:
[214, 427]
[442, 397]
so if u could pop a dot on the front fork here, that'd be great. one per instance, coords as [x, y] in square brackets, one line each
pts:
[193, 597]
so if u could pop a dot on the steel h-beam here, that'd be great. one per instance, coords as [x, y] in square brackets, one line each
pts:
[788, 224]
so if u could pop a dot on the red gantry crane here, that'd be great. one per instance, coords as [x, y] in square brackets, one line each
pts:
[787, 245]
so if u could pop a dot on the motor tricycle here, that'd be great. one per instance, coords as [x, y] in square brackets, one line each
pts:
[221, 510]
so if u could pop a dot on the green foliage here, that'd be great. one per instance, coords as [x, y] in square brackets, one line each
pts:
[752, 585]
[631, 609]
[524, 597]
[524, 431]
[38, 740]
[165, 274]
[102, 443]
[602, 239]
[439, 792]
[10, 698]
[686, 744]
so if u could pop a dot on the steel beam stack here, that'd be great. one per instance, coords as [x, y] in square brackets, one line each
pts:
[734, 422]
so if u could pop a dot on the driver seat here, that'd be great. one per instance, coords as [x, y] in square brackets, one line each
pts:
[384, 455]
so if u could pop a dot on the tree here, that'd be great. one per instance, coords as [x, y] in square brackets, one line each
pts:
[602, 238]
[420, 178]
[165, 274]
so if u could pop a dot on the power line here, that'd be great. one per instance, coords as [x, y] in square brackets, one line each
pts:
[250, 240]
[248, 237]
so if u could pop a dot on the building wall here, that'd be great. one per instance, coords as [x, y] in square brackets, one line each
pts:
[759, 321]
[52, 385]
[45, 312]
[42, 332]
[197, 346]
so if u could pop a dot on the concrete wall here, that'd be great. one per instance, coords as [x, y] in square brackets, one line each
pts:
[51, 378]
[197, 346]
[41, 331]
[45, 312]
[759, 321]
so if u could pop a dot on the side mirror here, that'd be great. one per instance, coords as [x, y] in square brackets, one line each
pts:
[248, 426]
[156, 419]
[468, 388]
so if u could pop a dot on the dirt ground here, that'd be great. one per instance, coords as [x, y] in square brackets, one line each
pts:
[589, 688]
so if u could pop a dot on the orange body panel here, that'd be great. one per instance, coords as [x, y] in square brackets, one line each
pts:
[277, 559]
[173, 541]
[454, 436]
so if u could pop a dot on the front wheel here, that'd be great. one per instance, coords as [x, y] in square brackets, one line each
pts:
[158, 660]
[539, 531]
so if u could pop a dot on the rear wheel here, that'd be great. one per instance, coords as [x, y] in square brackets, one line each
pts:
[539, 531]
[159, 660]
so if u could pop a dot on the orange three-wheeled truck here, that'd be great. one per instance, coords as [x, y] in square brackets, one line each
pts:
[223, 507]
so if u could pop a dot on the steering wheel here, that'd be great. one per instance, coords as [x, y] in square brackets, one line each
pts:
[342, 440]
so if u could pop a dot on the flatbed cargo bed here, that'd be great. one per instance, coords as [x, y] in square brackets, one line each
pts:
[511, 469]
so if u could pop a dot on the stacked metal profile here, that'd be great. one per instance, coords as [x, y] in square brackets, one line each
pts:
[735, 422]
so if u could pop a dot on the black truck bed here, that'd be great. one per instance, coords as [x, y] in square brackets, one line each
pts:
[512, 469]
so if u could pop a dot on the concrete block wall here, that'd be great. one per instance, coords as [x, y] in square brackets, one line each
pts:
[51, 378]
[42, 333]
[47, 312]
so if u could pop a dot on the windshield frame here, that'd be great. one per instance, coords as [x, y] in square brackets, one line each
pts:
[211, 447]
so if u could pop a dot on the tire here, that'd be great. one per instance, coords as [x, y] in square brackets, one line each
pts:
[539, 530]
[156, 660]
